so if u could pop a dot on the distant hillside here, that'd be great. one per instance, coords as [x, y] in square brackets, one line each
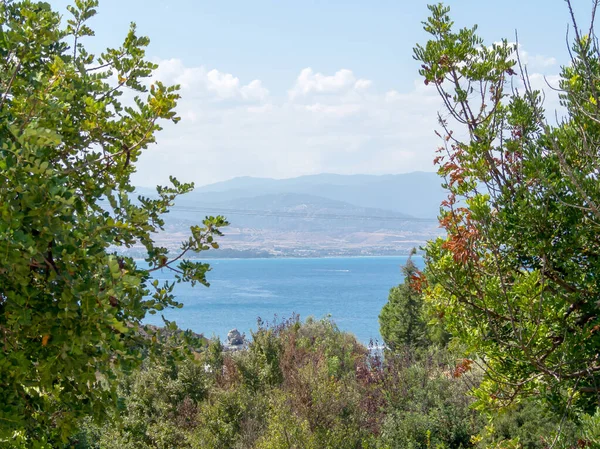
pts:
[314, 215]
[418, 194]
[293, 212]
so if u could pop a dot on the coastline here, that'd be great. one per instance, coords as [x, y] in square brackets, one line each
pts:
[417, 256]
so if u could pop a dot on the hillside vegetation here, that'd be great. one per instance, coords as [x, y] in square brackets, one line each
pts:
[494, 344]
[309, 385]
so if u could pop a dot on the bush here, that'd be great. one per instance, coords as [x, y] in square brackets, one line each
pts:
[310, 385]
[531, 424]
[428, 405]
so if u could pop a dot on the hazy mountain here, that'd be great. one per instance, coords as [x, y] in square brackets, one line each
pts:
[315, 215]
[293, 212]
[417, 194]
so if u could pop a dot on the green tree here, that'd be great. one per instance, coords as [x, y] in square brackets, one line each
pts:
[516, 277]
[70, 306]
[402, 321]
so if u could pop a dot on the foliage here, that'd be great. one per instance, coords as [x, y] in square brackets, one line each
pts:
[231, 418]
[515, 279]
[534, 427]
[315, 382]
[402, 321]
[330, 392]
[70, 306]
[286, 429]
[167, 389]
[590, 429]
[430, 405]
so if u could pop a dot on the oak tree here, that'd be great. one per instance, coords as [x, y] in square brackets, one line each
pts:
[70, 305]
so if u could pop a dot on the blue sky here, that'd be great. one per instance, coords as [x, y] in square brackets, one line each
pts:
[285, 88]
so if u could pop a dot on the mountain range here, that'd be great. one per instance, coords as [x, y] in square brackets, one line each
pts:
[317, 215]
[417, 194]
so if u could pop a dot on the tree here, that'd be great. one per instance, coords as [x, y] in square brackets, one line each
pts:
[70, 305]
[517, 276]
[402, 321]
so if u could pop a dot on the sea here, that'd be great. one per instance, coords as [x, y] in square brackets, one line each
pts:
[351, 291]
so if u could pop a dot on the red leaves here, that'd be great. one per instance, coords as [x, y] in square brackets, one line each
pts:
[457, 174]
[417, 282]
[462, 367]
[448, 203]
[460, 244]
[462, 233]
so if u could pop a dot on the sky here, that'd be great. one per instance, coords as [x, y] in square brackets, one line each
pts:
[282, 88]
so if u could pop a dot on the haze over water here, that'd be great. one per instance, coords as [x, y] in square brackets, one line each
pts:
[352, 290]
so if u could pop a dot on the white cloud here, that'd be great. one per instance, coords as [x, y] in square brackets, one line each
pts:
[362, 84]
[260, 109]
[225, 85]
[211, 83]
[342, 110]
[541, 61]
[323, 123]
[539, 81]
[392, 95]
[309, 82]
[254, 91]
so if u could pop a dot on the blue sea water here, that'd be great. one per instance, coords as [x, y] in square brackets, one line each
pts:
[351, 290]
